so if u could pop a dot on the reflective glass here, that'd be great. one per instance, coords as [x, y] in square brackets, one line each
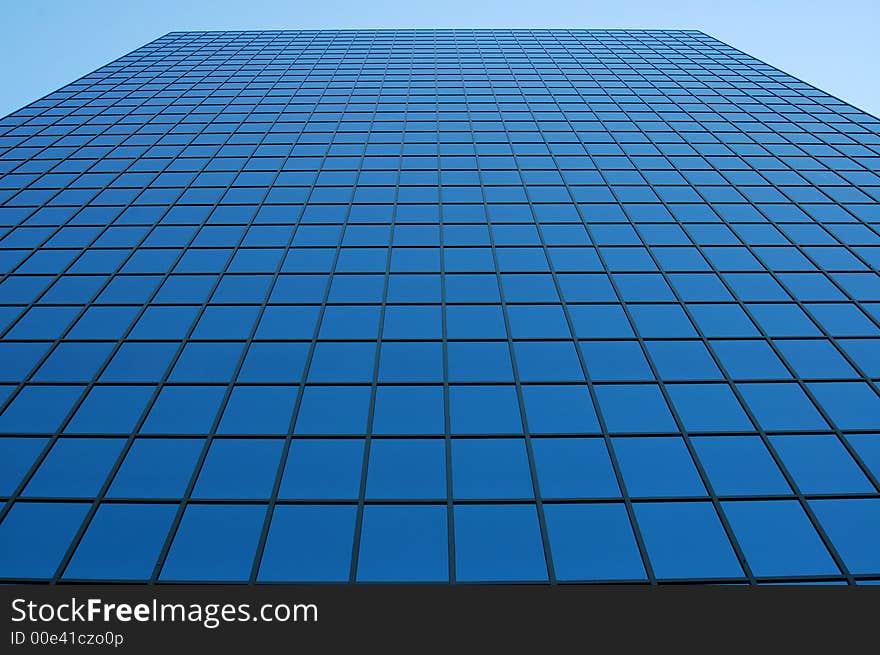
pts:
[487, 305]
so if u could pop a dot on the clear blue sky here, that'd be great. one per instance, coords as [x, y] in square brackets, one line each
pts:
[833, 45]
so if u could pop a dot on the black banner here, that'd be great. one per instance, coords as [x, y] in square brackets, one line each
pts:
[410, 618]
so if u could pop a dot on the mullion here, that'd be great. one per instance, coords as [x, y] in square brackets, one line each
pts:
[444, 345]
[524, 500]
[526, 435]
[374, 377]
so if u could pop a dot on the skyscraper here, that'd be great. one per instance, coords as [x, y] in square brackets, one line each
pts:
[473, 305]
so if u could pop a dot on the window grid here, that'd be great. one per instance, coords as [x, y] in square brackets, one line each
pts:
[716, 502]
[606, 435]
[698, 177]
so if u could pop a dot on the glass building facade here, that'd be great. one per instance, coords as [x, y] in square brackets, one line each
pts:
[442, 306]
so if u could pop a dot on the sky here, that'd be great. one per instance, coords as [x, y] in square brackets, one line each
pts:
[834, 46]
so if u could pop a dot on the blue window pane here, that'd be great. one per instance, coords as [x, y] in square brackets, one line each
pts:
[593, 542]
[617, 404]
[407, 469]
[616, 361]
[853, 525]
[38, 409]
[215, 542]
[122, 542]
[311, 260]
[35, 536]
[301, 288]
[21, 289]
[559, 409]
[348, 289]
[683, 360]
[103, 323]
[239, 468]
[697, 288]
[323, 469]
[186, 288]
[538, 321]
[708, 408]
[782, 407]
[17, 455]
[283, 322]
[484, 410]
[258, 410]
[468, 260]
[43, 323]
[868, 448]
[474, 322]
[110, 410]
[498, 543]
[184, 410]
[207, 362]
[864, 353]
[482, 361]
[411, 362]
[659, 321]
[740, 466]
[536, 287]
[574, 468]
[686, 540]
[226, 322]
[476, 288]
[820, 464]
[851, 405]
[786, 320]
[750, 360]
[72, 362]
[156, 468]
[19, 358]
[139, 362]
[241, 288]
[628, 259]
[309, 543]
[347, 322]
[333, 410]
[657, 466]
[723, 321]
[490, 468]
[643, 287]
[408, 410]
[600, 321]
[75, 468]
[843, 320]
[274, 362]
[778, 539]
[413, 288]
[815, 358]
[415, 260]
[342, 362]
[412, 322]
[403, 544]
[354, 288]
